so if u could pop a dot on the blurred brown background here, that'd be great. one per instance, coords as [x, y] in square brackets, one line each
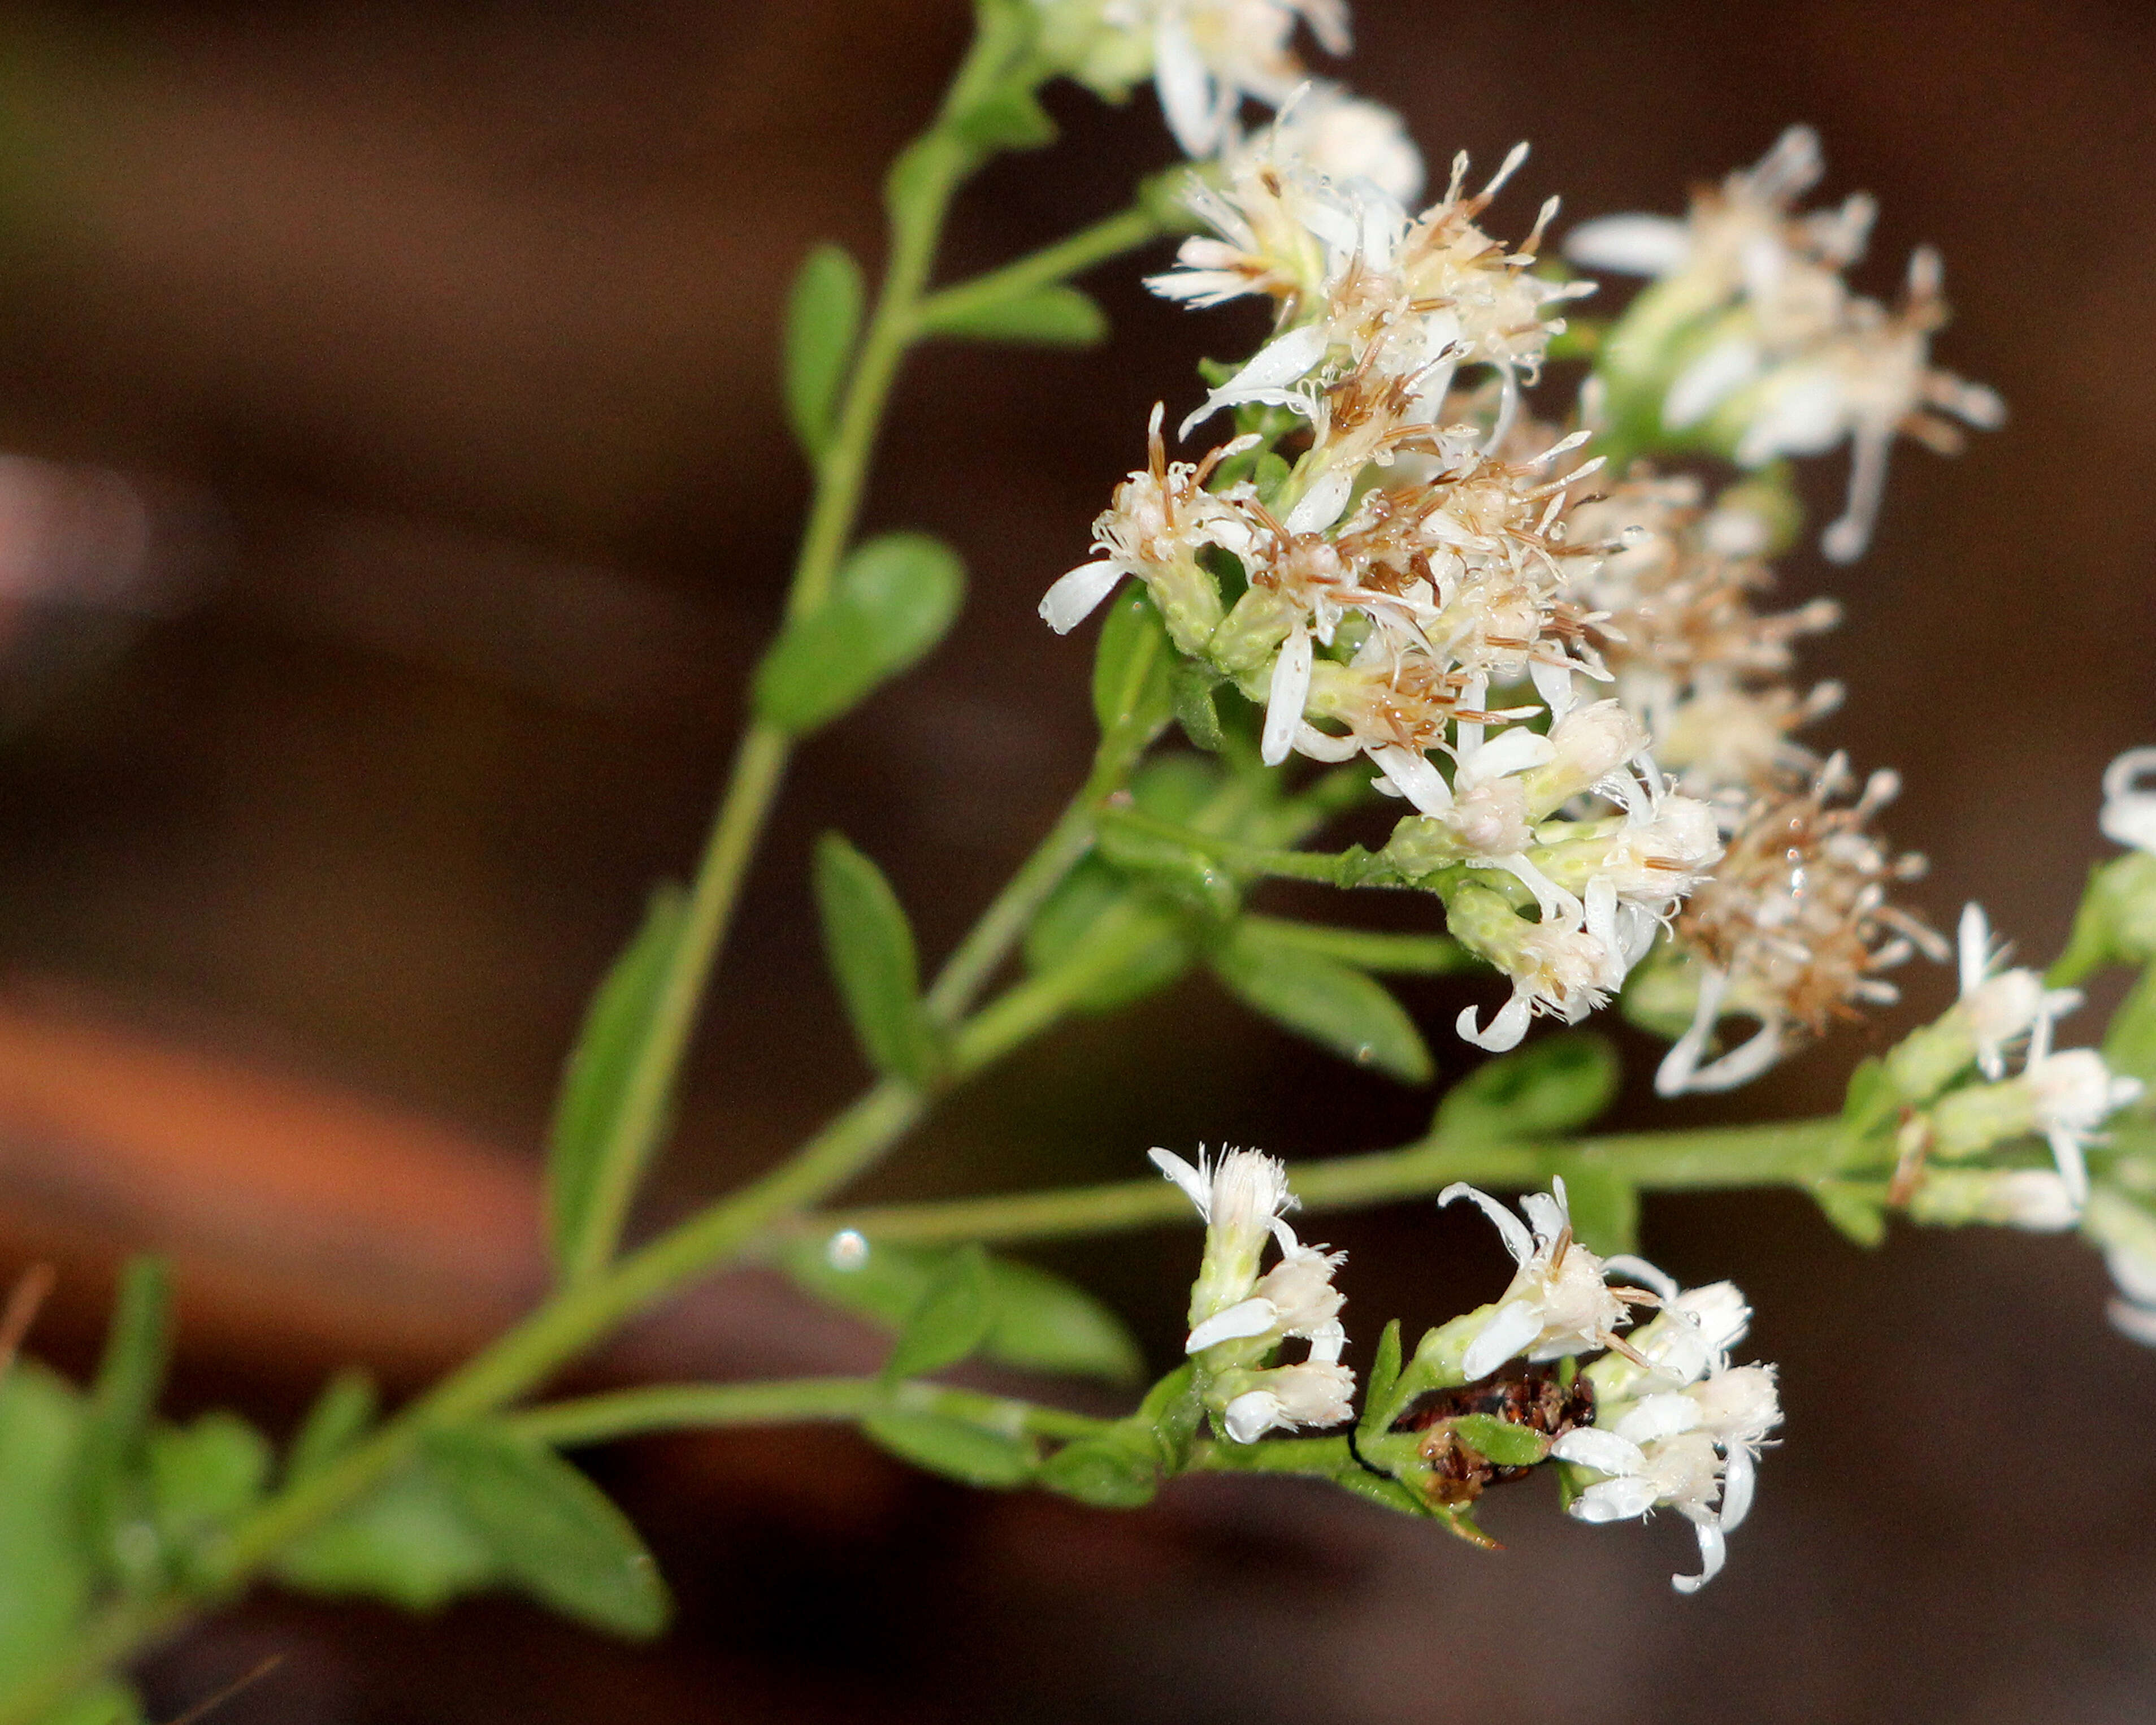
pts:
[381, 639]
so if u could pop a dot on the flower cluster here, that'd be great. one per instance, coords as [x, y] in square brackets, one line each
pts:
[1757, 348]
[1405, 590]
[1239, 1317]
[1675, 1424]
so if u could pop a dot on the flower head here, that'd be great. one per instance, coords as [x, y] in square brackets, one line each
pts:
[1558, 1302]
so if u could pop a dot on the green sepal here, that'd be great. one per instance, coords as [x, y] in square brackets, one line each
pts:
[1872, 1100]
[1119, 1469]
[1058, 315]
[870, 944]
[1197, 708]
[952, 1318]
[1857, 1211]
[1335, 1006]
[823, 323]
[1133, 665]
[892, 600]
[1549, 1088]
[553, 1533]
[956, 1448]
[1500, 1440]
[595, 1084]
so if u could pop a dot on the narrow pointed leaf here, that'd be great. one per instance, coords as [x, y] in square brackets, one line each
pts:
[2129, 1040]
[892, 600]
[1133, 667]
[1097, 916]
[137, 1348]
[1506, 1443]
[407, 1541]
[591, 1172]
[47, 1574]
[955, 1314]
[1057, 316]
[823, 322]
[1605, 1207]
[870, 944]
[1369, 949]
[341, 1414]
[553, 1532]
[1007, 118]
[1117, 1469]
[1385, 1374]
[1555, 1085]
[1318, 998]
[954, 1448]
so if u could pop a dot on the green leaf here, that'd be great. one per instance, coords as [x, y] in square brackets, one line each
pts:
[869, 944]
[1056, 317]
[952, 1319]
[823, 322]
[1857, 1211]
[892, 600]
[1605, 1206]
[1506, 1443]
[204, 1477]
[137, 1346]
[1387, 1493]
[1097, 909]
[341, 1416]
[583, 1194]
[1385, 1374]
[107, 1701]
[1181, 871]
[2129, 1041]
[1172, 1411]
[46, 1571]
[1133, 667]
[407, 1541]
[1042, 1322]
[969, 1453]
[1007, 118]
[1551, 1087]
[1117, 1469]
[1369, 949]
[553, 1532]
[1871, 1101]
[1316, 996]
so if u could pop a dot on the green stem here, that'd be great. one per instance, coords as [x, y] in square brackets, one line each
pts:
[1124, 231]
[1324, 1458]
[675, 1407]
[1794, 1154]
[1251, 859]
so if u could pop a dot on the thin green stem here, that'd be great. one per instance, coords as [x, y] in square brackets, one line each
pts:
[1254, 859]
[1369, 949]
[1794, 1154]
[1323, 1458]
[678, 1407]
[1124, 231]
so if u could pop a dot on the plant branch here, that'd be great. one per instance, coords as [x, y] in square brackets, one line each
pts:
[1124, 231]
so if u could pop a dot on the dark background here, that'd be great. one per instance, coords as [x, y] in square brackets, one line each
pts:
[434, 345]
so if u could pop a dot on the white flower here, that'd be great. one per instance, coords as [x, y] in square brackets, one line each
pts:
[1999, 1006]
[2072, 1094]
[1558, 1302]
[1681, 1430]
[1208, 55]
[2129, 812]
[2133, 1312]
[1343, 138]
[1242, 1195]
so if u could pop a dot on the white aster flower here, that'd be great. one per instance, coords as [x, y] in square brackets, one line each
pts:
[2071, 1094]
[1242, 1195]
[1679, 1427]
[1999, 1006]
[2133, 1311]
[1558, 1302]
[2129, 812]
[1343, 138]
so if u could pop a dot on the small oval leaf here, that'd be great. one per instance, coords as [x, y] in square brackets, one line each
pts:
[1317, 997]
[823, 321]
[553, 1532]
[893, 599]
[1133, 667]
[869, 944]
[952, 1319]
[594, 1085]
[958, 1451]
[1094, 911]
[1550, 1087]
[1117, 1469]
